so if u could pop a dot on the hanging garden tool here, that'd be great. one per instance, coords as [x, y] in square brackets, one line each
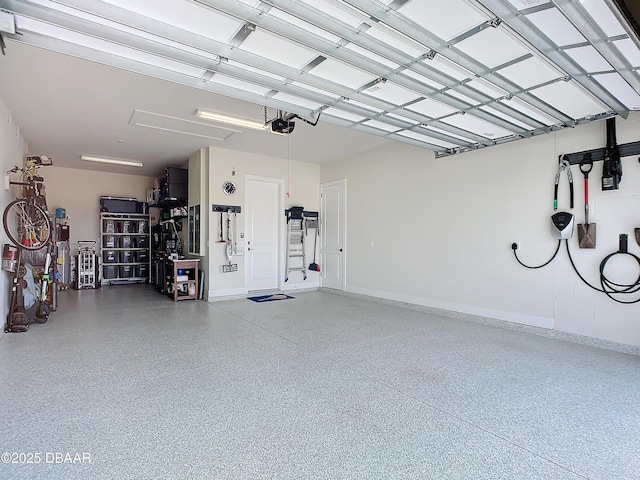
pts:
[229, 240]
[586, 231]
[235, 231]
[313, 266]
[612, 166]
[562, 166]
[221, 229]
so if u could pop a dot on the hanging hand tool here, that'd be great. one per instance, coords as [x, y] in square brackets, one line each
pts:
[586, 231]
[221, 230]
[562, 166]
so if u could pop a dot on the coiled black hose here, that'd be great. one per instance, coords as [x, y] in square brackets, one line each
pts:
[610, 288]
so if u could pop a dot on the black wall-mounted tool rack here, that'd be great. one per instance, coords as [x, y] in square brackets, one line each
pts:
[305, 213]
[225, 208]
[598, 154]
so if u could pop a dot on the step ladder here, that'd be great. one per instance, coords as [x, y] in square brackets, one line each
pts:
[295, 243]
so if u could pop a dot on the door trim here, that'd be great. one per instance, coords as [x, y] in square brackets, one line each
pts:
[343, 182]
[280, 215]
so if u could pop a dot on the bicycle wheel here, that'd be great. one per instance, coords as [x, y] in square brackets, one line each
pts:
[27, 226]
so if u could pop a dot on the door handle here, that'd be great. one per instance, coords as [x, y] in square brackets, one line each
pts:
[340, 249]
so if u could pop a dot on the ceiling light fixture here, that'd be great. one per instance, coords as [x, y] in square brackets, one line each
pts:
[113, 161]
[217, 117]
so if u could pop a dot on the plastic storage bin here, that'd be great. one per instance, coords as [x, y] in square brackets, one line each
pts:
[126, 271]
[110, 271]
[110, 256]
[109, 226]
[126, 241]
[141, 271]
[126, 257]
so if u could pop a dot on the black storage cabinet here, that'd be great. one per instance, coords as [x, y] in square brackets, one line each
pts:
[123, 205]
[175, 185]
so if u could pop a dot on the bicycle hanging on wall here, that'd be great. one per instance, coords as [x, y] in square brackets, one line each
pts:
[26, 220]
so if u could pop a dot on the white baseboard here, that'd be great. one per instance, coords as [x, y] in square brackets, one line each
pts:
[494, 318]
[522, 319]
[299, 287]
[226, 294]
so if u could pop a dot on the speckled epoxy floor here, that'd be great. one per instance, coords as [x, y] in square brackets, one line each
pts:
[318, 387]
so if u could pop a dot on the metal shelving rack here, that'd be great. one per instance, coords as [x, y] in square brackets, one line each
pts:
[124, 248]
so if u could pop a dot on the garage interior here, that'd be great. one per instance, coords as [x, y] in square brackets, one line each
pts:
[425, 138]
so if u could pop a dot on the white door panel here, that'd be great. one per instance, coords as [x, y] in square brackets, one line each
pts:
[332, 234]
[262, 239]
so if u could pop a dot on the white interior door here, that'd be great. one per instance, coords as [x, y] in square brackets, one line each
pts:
[333, 234]
[263, 224]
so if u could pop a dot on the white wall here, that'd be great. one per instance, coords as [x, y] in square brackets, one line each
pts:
[79, 192]
[12, 152]
[442, 231]
[199, 195]
[303, 188]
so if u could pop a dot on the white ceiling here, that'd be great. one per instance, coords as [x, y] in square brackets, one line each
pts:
[67, 107]
[124, 78]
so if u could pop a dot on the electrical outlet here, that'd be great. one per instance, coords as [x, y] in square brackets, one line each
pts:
[515, 246]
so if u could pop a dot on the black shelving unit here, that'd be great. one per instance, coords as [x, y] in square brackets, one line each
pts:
[124, 248]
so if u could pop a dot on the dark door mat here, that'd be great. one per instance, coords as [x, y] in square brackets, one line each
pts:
[270, 298]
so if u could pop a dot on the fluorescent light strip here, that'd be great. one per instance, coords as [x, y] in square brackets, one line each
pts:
[113, 161]
[216, 117]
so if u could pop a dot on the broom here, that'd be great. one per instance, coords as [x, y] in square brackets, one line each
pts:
[313, 266]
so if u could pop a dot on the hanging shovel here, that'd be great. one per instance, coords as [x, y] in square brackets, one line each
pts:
[586, 231]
